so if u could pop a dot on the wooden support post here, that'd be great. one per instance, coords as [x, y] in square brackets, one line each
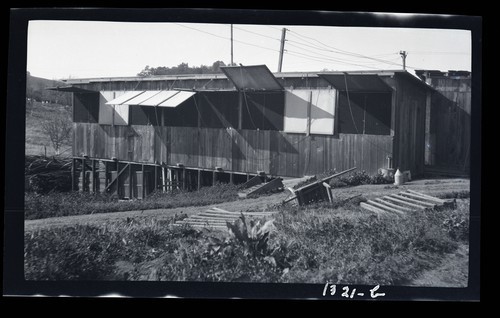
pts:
[169, 180]
[177, 178]
[308, 131]
[106, 180]
[118, 188]
[240, 110]
[73, 169]
[199, 180]
[248, 176]
[93, 190]
[156, 178]
[164, 181]
[231, 178]
[130, 181]
[143, 182]
[184, 183]
[214, 177]
[83, 175]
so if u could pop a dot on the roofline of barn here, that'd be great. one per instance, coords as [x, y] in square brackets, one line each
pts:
[222, 76]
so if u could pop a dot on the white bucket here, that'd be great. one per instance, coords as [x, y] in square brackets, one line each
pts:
[398, 178]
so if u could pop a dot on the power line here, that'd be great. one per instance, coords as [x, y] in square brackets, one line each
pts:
[273, 27]
[441, 52]
[323, 59]
[225, 38]
[329, 56]
[259, 34]
[340, 51]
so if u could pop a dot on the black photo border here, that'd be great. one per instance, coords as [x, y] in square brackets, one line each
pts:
[14, 284]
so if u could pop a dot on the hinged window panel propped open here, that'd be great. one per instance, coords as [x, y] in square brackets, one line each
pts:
[158, 98]
[124, 98]
[177, 99]
[252, 78]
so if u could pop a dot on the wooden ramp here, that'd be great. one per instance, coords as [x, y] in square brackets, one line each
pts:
[255, 187]
[215, 218]
[405, 202]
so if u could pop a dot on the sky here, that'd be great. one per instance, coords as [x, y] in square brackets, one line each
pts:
[86, 49]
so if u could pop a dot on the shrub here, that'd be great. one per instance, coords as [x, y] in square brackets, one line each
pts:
[456, 222]
[358, 178]
[380, 179]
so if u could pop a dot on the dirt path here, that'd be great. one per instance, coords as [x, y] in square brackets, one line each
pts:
[262, 203]
[255, 204]
[453, 271]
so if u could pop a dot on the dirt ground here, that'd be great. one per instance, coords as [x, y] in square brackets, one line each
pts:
[262, 203]
[453, 271]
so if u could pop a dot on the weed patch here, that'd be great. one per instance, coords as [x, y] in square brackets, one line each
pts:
[54, 204]
[322, 242]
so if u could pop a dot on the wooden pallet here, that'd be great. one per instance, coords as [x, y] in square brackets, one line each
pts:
[215, 218]
[405, 202]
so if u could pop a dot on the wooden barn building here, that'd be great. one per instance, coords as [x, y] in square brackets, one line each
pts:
[135, 134]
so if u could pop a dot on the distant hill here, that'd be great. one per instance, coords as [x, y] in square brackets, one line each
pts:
[43, 105]
[36, 90]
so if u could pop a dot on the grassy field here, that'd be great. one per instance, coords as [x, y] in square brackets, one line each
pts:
[341, 243]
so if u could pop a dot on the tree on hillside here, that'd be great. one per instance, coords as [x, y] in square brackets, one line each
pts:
[182, 68]
[59, 131]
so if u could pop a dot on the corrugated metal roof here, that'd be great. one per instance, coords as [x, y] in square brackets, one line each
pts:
[123, 99]
[356, 82]
[159, 98]
[177, 99]
[70, 88]
[255, 77]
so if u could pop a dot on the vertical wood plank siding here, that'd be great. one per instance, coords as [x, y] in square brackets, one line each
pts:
[409, 130]
[276, 153]
[450, 133]
[450, 125]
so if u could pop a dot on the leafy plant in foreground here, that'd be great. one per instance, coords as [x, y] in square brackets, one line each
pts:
[253, 236]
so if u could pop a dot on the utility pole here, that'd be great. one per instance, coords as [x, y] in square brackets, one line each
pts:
[232, 45]
[282, 49]
[403, 56]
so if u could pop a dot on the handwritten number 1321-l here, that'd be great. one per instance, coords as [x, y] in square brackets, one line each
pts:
[352, 293]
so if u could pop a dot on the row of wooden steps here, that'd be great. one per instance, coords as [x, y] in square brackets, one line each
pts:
[255, 186]
[215, 218]
[405, 202]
